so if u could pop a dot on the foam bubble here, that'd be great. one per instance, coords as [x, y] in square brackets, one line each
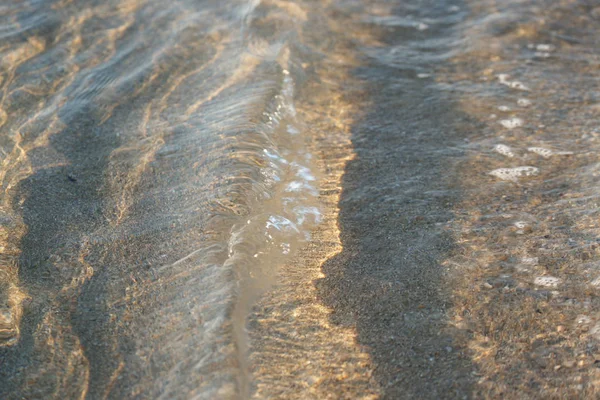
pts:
[281, 223]
[584, 320]
[511, 123]
[504, 150]
[524, 102]
[513, 174]
[518, 85]
[503, 78]
[307, 213]
[544, 47]
[547, 281]
[504, 108]
[547, 153]
[522, 227]
[301, 186]
[542, 50]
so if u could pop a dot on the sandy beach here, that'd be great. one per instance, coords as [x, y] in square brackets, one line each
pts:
[425, 279]
[299, 200]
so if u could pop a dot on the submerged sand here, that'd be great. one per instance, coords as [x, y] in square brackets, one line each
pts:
[457, 256]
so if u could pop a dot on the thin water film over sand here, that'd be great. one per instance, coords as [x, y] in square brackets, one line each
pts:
[154, 172]
[299, 199]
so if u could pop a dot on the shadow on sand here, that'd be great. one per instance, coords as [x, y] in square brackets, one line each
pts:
[396, 199]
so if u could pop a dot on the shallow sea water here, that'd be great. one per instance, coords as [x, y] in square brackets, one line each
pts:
[299, 199]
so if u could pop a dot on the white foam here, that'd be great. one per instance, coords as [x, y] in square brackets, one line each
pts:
[583, 320]
[301, 186]
[281, 223]
[511, 123]
[547, 281]
[518, 85]
[547, 153]
[504, 108]
[503, 78]
[521, 225]
[544, 47]
[513, 174]
[504, 150]
[307, 213]
[524, 102]
[292, 130]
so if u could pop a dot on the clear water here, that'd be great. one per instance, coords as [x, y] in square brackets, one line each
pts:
[165, 166]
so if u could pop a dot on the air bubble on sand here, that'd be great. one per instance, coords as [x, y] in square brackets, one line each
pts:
[518, 85]
[547, 281]
[583, 320]
[504, 108]
[522, 227]
[542, 50]
[511, 123]
[544, 47]
[503, 78]
[524, 102]
[547, 153]
[504, 150]
[513, 174]
[423, 76]
[422, 26]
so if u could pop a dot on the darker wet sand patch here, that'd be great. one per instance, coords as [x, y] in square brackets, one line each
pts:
[388, 281]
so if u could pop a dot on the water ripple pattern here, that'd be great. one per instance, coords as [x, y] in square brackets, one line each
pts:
[154, 175]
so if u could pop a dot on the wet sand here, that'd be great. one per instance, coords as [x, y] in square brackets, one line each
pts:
[441, 275]
[367, 302]
[437, 271]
